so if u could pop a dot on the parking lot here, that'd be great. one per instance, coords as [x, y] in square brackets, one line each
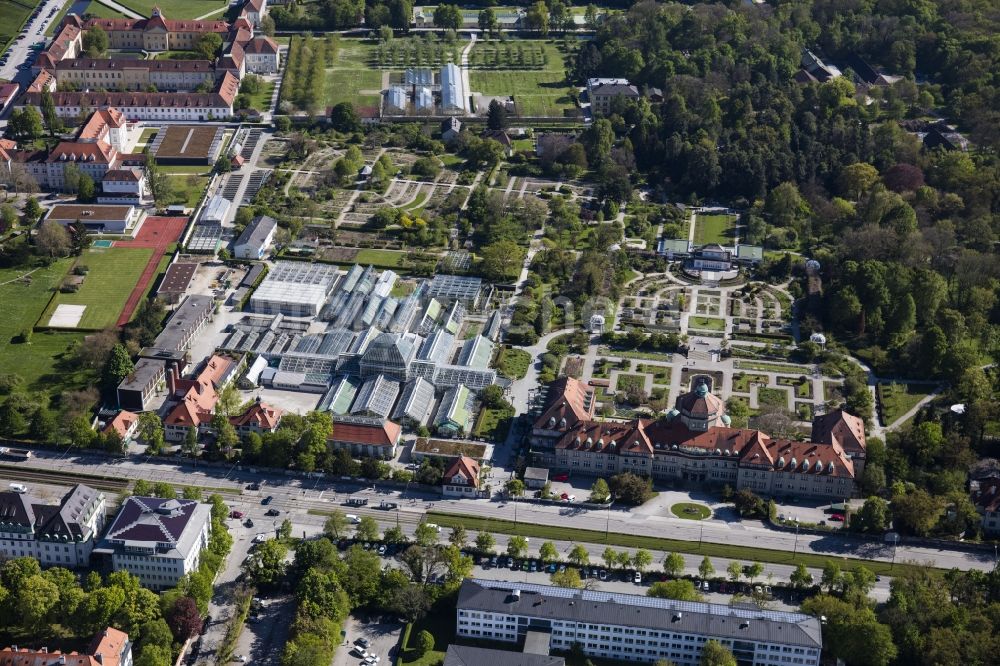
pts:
[382, 638]
[266, 631]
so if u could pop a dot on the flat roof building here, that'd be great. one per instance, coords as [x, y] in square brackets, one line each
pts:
[465, 655]
[97, 218]
[631, 627]
[175, 281]
[294, 289]
[468, 291]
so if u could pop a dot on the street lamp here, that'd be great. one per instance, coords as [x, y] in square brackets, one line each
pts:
[607, 524]
[795, 550]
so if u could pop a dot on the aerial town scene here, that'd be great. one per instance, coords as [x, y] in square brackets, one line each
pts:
[340, 332]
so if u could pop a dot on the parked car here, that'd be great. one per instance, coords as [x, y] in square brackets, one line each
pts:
[637, 578]
[603, 574]
[248, 523]
[363, 642]
[236, 514]
[705, 586]
[267, 500]
[272, 512]
[839, 517]
[560, 477]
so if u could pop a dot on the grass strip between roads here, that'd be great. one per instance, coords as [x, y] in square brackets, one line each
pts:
[745, 554]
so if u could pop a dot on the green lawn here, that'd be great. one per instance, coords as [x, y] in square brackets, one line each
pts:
[661, 374]
[513, 363]
[897, 399]
[707, 323]
[344, 85]
[382, 258]
[97, 10]
[536, 93]
[39, 362]
[773, 397]
[714, 229]
[13, 14]
[176, 9]
[742, 381]
[772, 367]
[186, 169]
[651, 543]
[261, 100]
[802, 389]
[625, 382]
[493, 424]
[691, 511]
[113, 274]
[187, 190]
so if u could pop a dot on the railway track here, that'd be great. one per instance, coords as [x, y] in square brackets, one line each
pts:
[21, 474]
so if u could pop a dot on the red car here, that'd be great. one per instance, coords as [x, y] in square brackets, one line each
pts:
[236, 514]
[561, 477]
[839, 517]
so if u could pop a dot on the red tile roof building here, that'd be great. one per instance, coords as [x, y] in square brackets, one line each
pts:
[197, 397]
[109, 648]
[124, 423]
[986, 498]
[259, 418]
[570, 402]
[365, 436]
[693, 443]
[462, 478]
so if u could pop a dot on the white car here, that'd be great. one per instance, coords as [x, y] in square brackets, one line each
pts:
[351, 518]
[240, 658]
[360, 652]
[371, 659]
[434, 526]
[19, 488]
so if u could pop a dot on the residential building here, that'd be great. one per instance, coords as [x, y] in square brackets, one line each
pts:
[256, 238]
[815, 70]
[157, 33]
[569, 402]
[124, 423]
[60, 535]
[632, 627]
[603, 92]
[254, 11]
[500, 137]
[461, 479]
[986, 498]
[694, 443]
[157, 540]
[847, 431]
[259, 417]
[365, 436]
[133, 74]
[262, 55]
[197, 396]
[190, 106]
[110, 647]
[450, 129]
[454, 96]
[454, 414]
[868, 75]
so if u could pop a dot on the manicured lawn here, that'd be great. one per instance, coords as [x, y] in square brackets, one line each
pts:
[113, 273]
[385, 258]
[187, 190]
[440, 622]
[97, 10]
[176, 9]
[261, 100]
[707, 323]
[661, 374]
[344, 85]
[513, 363]
[691, 511]
[897, 399]
[802, 389]
[536, 93]
[493, 424]
[147, 136]
[186, 169]
[657, 544]
[625, 382]
[13, 14]
[772, 396]
[741, 381]
[40, 362]
[714, 229]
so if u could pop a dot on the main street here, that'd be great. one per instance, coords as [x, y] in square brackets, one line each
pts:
[319, 494]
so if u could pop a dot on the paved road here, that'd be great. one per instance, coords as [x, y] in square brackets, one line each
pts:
[18, 51]
[300, 496]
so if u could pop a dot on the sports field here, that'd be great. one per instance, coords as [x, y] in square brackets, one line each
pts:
[38, 362]
[719, 229]
[113, 273]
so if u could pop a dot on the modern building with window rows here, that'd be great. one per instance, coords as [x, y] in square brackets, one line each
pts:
[634, 628]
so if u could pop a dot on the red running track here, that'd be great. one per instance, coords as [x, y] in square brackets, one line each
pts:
[157, 233]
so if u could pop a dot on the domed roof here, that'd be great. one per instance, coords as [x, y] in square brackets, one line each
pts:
[700, 404]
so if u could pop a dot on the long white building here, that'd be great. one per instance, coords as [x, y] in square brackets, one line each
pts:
[632, 627]
[54, 534]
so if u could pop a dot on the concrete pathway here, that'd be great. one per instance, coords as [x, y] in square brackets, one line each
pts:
[465, 63]
[220, 10]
